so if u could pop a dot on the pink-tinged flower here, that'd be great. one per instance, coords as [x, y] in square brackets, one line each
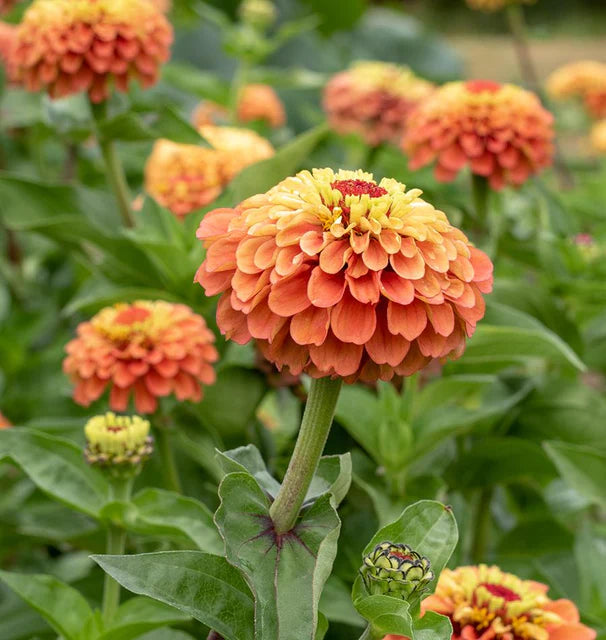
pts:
[494, 5]
[598, 136]
[373, 99]
[239, 148]
[485, 603]
[260, 102]
[585, 80]
[499, 130]
[183, 177]
[5, 423]
[146, 350]
[336, 275]
[68, 46]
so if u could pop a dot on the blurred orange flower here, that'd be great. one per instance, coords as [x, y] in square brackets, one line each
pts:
[183, 177]
[598, 136]
[68, 46]
[501, 131]
[585, 79]
[485, 603]
[146, 349]
[8, 34]
[494, 5]
[5, 423]
[260, 102]
[336, 275]
[373, 99]
[209, 112]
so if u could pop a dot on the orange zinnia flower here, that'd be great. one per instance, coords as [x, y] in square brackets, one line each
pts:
[260, 102]
[67, 46]
[209, 112]
[5, 423]
[501, 131]
[239, 148]
[336, 275]
[486, 603]
[149, 349]
[7, 46]
[183, 177]
[373, 99]
[598, 136]
[494, 5]
[585, 79]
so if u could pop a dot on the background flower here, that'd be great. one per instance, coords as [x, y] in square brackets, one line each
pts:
[501, 131]
[145, 349]
[260, 102]
[336, 275]
[67, 46]
[4, 422]
[598, 136]
[585, 79]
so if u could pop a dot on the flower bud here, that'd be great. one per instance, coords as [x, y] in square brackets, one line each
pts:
[260, 14]
[121, 443]
[395, 570]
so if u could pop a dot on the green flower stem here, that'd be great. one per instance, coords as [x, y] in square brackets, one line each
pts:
[481, 525]
[167, 456]
[238, 83]
[121, 488]
[315, 426]
[114, 169]
[480, 191]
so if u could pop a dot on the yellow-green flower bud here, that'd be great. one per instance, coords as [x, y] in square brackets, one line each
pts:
[117, 441]
[260, 14]
[396, 570]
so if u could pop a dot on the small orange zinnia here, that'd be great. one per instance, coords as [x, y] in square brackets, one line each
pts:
[260, 102]
[494, 5]
[146, 349]
[68, 46]
[585, 79]
[501, 131]
[486, 603]
[336, 275]
[183, 177]
[373, 99]
[5, 423]
[239, 148]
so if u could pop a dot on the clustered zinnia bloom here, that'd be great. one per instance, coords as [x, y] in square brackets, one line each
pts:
[373, 99]
[598, 136]
[183, 177]
[501, 131]
[485, 603]
[146, 349]
[585, 79]
[494, 5]
[336, 275]
[68, 46]
[260, 102]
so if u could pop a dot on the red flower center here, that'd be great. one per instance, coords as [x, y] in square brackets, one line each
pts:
[358, 188]
[132, 315]
[500, 591]
[114, 428]
[401, 555]
[479, 86]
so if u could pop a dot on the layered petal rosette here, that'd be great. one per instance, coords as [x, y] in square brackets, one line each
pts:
[68, 46]
[183, 177]
[146, 350]
[336, 275]
[586, 80]
[373, 99]
[494, 5]
[260, 102]
[499, 130]
[485, 603]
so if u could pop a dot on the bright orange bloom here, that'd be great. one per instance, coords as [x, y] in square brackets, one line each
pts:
[183, 177]
[260, 102]
[146, 349]
[485, 603]
[209, 112]
[336, 275]
[501, 131]
[5, 423]
[68, 46]
[598, 136]
[585, 79]
[494, 5]
[240, 148]
[373, 99]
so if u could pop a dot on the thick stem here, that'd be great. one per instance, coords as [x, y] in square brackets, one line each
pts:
[115, 545]
[481, 526]
[114, 170]
[480, 191]
[167, 456]
[315, 426]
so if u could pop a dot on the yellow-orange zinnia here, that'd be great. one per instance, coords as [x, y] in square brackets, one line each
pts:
[598, 136]
[336, 275]
[501, 131]
[585, 79]
[68, 46]
[373, 99]
[146, 349]
[260, 102]
[485, 603]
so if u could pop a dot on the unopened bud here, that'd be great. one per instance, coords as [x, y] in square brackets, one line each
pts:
[395, 570]
[260, 14]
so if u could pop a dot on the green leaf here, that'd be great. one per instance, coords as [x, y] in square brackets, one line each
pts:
[165, 123]
[336, 603]
[584, 469]
[165, 513]
[286, 573]
[248, 459]
[385, 614]
[432, 626]
[201, 585]
[59, 604]
[57, 467]
[139, 615]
